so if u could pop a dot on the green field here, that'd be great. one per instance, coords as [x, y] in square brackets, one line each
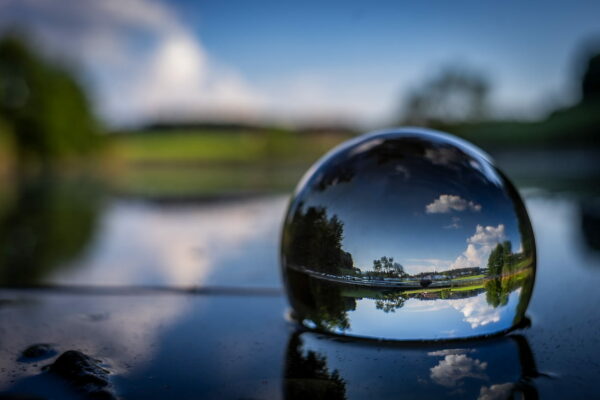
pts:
[463, 278]
[452, 289]
[205, 180]
[223, 147]
[373, 293]
[205, 162]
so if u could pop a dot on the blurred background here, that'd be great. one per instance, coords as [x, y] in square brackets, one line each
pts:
[155, 143]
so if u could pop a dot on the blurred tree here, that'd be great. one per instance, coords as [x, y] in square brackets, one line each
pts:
[590, 82]
[496, 293]
[390, 301]
[386, 266]
[45, 109]
[48, 224]
[307, 375]
[319, 301]
[574, 126]
[496, 260]
[507, 254]
[455, 95]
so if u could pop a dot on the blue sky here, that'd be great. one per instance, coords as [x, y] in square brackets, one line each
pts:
[290, 61]
[430, 206]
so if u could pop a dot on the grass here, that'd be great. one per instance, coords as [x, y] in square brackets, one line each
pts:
[182, 147]
[462, 278]
[452, 289]
[465, 288]
[519, 273]
[523, 264]
[367, 292]
[210, 147]
[204, 162]
[178, 181]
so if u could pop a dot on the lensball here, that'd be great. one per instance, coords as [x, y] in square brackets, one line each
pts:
[407, 234]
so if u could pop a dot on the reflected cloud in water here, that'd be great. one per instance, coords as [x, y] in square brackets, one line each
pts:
[125, 335]
[455, 367]
[72, 232]
[183, 246]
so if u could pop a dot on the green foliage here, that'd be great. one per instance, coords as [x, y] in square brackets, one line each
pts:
[502, 260]
[315, 241]
[320, 301]
[499, 288]
[496, 294]
[386, 267]
[332, 308]
[45, 225]
[508, 271]
[390, 302]
[46, 110]
[307, 375]
[496, 260]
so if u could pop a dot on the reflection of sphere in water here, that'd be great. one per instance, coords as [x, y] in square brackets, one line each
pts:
[499, 368]
[407, 234]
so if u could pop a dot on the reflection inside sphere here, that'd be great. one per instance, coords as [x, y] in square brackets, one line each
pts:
[410, 235]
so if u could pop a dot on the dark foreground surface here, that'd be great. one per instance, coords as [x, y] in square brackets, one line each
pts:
[149, 336]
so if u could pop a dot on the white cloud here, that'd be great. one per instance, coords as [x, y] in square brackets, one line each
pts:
[479, 247]
[181, 80]
[175, 247]
[143, 62]
[447, 203]
[476, 311]
[142, 59]
[454, 368]
[488, 235]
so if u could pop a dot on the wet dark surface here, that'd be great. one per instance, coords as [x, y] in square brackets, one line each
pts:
[160, 337]
[236, 343]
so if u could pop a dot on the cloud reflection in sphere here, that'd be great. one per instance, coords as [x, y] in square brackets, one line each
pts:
[407, 234]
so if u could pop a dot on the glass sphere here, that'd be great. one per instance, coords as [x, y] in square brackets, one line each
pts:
[407, 234]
